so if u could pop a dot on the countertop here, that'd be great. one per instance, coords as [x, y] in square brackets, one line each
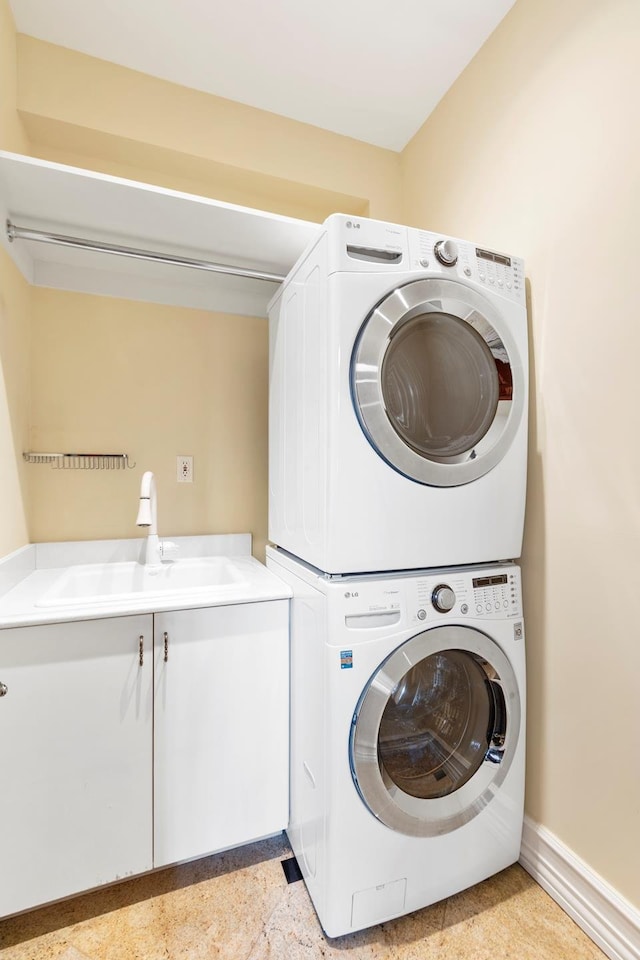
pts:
[27, 575]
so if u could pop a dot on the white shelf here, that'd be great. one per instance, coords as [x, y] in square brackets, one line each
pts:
[53, 197]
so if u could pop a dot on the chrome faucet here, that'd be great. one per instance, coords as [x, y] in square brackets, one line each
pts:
[148, 517]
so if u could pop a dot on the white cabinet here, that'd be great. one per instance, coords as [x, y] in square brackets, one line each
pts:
[94, 772]
[221, 758]
[76, 735]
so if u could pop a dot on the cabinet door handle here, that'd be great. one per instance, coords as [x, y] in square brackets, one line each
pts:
[4, 689]
[141, 650]
[166, 646]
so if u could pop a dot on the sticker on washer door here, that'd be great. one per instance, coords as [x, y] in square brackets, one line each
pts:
[346, 659]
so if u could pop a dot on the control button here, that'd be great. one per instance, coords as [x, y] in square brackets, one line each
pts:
[443, 598]
[508, 284]
[467, 271]
[499, 283]
[424, 262]
[497, 606]
[481, 275]
[488, 607]
[464, 608]
[491, 280]
[422, 614]
[446, 252]
[479, 608]
[505, 604]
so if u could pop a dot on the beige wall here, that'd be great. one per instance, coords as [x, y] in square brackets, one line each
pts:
[83, 110]
[14, 326]
[156, 383]
[12, 134]
[536, 151]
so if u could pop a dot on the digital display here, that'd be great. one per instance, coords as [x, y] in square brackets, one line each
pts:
[493, 257]
[489, 581]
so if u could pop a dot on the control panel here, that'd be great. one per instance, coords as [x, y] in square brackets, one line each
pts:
[461, 260]
[495, 270]
[465, 594]
[484, 593]
[494, 594]
[358, 244]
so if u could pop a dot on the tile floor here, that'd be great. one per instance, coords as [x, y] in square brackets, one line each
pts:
[238, 906]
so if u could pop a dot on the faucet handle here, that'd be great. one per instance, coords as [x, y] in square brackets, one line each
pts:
[169, 550]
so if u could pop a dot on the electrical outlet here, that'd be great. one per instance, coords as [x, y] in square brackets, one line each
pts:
[185, 469]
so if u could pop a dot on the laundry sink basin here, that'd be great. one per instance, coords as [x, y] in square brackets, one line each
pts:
[113, 582]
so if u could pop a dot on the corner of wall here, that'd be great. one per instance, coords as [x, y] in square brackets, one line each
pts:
[12, 133]
[15, 341]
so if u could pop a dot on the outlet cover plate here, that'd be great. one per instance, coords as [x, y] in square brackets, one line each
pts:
[185, 469]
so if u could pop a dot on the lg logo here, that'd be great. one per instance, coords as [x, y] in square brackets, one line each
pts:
[349, 224]
[350, 595]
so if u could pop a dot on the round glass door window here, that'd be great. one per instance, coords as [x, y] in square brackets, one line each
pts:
[435, 731]
[437, 725]
[434, 386]
[440, 385]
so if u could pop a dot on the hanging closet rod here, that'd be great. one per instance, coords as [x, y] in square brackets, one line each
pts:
[40, 236]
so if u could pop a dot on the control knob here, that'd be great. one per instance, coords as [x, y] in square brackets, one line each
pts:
[446, 252]
[443, 598]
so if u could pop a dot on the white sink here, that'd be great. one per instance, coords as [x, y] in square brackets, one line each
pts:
[112, 582]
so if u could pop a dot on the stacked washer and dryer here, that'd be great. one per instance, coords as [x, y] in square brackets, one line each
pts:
[397, 470]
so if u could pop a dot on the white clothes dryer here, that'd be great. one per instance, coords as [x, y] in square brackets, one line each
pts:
[407, 735]
[398, 401]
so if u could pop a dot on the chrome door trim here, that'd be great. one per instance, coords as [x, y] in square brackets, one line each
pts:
[386, 801]
[397, 308]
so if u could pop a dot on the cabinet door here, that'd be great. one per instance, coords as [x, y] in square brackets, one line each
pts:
[221, 755]
[76, 754]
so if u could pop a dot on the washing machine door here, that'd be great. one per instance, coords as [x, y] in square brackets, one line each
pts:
[435, 731]
[438, 391]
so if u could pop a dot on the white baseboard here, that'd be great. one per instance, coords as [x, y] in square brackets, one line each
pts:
[611, 922]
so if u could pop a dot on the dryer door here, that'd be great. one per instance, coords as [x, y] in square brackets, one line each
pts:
[437, 389]
[435, 731]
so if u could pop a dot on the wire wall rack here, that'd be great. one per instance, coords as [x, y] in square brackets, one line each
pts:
[81, 461]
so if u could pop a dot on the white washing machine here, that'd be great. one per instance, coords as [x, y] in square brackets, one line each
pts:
[407, 735]
[398, 401]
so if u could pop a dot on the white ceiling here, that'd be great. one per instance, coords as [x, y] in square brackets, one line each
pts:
[369, 69]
